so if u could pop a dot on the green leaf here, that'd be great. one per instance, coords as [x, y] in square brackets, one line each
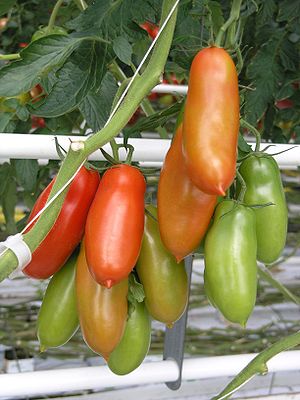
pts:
[81, 73]
[5, 119]
[26, 173]
[96, 106]
[4, 177]
[6, 5]
[289, 55]
[216, 15]
[266, 12]
[37, 59]
[266, 74]
[9, 202]
[135, 291]
[123, 49]
[243, 146]
[22, 113]
[288, 9]
[155, 120]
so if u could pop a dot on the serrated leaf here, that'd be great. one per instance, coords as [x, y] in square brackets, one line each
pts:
[80, 74]
[135, 290]
[96, 106]
[265, 73]
[38, 59]
[285, 91]
[122, 49]
[266, 12]
[289, 55]
[26, 173]
[6, 5]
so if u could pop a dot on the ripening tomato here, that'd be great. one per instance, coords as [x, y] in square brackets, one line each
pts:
[68, 228]
[115, 224]
[102, 312]
[211, 121]
[184, 211]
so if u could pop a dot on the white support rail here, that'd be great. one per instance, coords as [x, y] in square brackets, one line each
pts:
[97, 378]
[149, 151]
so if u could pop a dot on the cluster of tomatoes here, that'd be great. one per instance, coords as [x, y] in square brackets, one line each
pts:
[130, 264]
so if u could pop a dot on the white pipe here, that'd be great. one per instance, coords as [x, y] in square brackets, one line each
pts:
[151, 151]
[96, 378]
[168, 88]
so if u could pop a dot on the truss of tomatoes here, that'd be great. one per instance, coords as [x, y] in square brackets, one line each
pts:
[130, 266]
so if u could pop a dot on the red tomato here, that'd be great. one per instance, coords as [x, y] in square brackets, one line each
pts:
[22, 45]
[284, 104]
[115, 224]
[68, 229]
[211, 121]
[184, 212]
[37, 122]
[151, 28]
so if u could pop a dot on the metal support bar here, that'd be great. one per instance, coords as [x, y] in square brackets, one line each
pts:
[175, 336]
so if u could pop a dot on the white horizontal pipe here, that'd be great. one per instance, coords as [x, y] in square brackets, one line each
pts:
[95, 378]
[168, 88]
[151, 151]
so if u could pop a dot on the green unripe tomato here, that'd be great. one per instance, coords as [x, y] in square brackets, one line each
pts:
[22, 99]
[263, 181]
[55, 30]
[230, 275]
[58, 320]
[134, 345]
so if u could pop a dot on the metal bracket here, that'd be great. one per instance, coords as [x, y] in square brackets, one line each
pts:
[174, 337]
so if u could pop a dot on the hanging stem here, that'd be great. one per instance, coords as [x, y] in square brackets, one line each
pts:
[258, 364]
[81, 4]
[138, 90]
[54, 15]
[243, 187]
[234, 16]
[115, 150]
[251, 128]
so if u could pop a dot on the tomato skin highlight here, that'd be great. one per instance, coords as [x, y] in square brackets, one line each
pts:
[165, 281]
[230, 275]
[102, 312]
[58, 319]
[115, 225]
[68, 228]
[262, 177]
[184, 211]
[135, 343]
[211, 121]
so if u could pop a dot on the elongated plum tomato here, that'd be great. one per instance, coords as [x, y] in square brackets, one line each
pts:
[230, 275]
[165, 281]
[58, 319]
[68, 228]
[102, 312]
[115, 225]
[211, 121]
[184, 211]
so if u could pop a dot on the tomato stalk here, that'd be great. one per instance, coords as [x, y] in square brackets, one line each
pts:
[253, 130]
[10, 57]
[234, 16]
[81, 4]
[258, 365]
[75, 157]
[243, 187]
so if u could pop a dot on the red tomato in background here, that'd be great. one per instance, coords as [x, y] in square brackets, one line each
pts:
[151, 28]
[211, 121]
[115, 225]
[68, 229]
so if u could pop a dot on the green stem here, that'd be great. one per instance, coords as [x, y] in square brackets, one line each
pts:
[251, 128]
[240, 61]
[53, 16]
[234, 16]
[258, 364]
[15, 56]
[115, 150]
[243, 187]
[139, 89]
[81, 4]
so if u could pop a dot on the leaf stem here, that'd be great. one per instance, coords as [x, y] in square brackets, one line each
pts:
[54, 15]
[251, 128]
[258, 365]
[15, 56]
[234, 16]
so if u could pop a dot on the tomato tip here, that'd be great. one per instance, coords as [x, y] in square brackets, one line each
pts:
[108, 283]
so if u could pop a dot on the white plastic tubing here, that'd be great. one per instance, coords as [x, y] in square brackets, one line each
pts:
[97, 378]
[150, 152]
